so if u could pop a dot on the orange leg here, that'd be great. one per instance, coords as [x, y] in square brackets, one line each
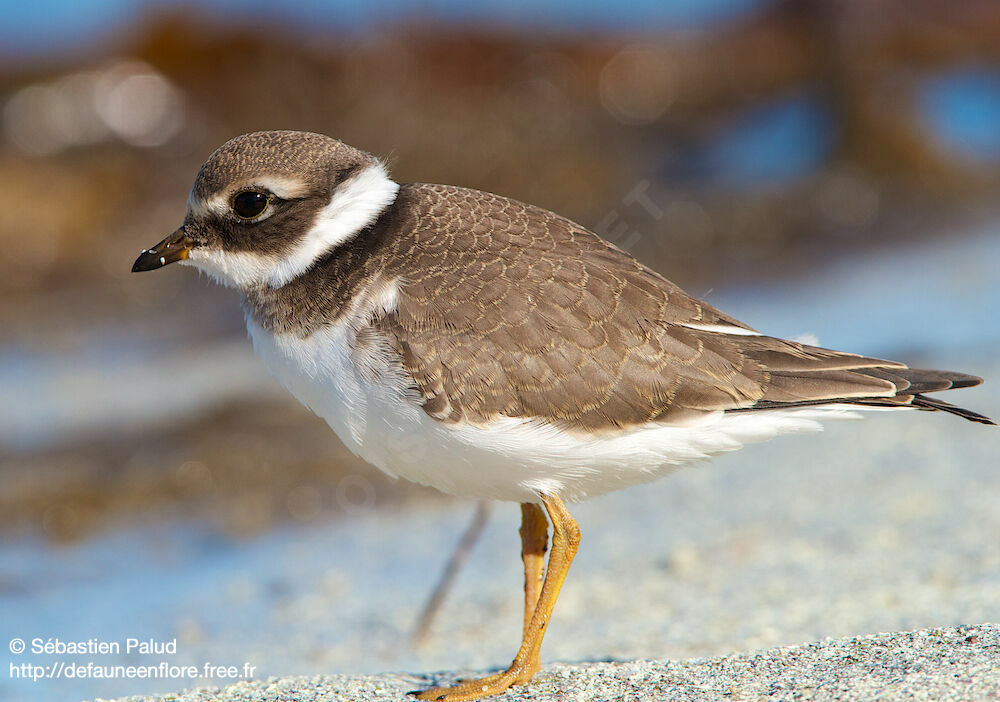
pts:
[534, 542]
[565, 540]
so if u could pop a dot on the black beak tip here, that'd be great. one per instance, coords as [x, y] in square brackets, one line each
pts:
[148, 261]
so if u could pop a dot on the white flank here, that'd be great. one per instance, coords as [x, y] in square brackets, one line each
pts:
[721, 329]
[354, 205]
[377, 417]
[806, 338]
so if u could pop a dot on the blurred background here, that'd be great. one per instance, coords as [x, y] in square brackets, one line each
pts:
[828, 167]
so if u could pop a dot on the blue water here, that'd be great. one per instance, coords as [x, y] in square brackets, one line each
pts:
[917, 300]
[962, 108]
[784, 138]
[774, 141]
[35, 29]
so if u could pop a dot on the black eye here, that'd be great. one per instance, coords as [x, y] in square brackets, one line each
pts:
[249, 204]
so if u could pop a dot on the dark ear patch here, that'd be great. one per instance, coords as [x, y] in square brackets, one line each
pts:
[344, 175]
[290, 221]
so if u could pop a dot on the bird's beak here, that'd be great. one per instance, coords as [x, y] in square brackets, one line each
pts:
[174, 248]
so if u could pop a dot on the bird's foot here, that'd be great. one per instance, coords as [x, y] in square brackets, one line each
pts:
[483, 687]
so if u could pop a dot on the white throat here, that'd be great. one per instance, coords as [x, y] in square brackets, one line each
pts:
[353, 206]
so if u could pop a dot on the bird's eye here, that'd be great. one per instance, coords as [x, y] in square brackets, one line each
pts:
[250, 204]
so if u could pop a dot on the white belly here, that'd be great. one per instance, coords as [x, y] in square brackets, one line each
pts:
[512, 459]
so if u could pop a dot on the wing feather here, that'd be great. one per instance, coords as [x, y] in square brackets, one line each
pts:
[509, 310]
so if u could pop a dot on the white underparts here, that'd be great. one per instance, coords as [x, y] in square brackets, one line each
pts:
[354, 205]
[368, 401]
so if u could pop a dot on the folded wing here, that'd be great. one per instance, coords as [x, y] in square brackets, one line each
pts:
[508, 310]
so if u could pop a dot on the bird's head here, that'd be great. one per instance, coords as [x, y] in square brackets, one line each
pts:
[266, 205]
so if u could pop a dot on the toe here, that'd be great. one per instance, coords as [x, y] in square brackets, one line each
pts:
[470, 689]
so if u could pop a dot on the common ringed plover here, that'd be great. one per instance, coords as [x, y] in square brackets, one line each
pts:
[493, 349]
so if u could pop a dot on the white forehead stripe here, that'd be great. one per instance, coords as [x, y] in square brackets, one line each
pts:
[199, 208]
[355, 204]
[284, 187]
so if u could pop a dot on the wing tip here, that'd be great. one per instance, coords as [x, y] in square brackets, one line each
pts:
[929, 403]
